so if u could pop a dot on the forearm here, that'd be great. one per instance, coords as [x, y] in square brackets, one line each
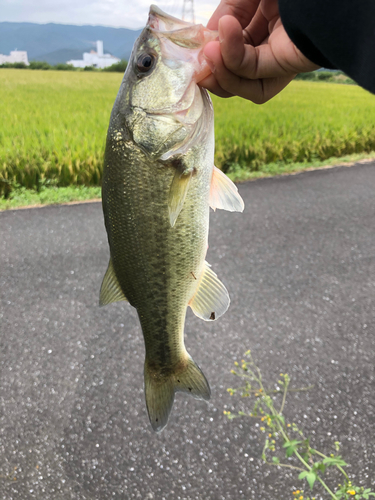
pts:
[334, 34]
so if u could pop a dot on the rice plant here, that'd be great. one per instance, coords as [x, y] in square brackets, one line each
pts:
[54, 124]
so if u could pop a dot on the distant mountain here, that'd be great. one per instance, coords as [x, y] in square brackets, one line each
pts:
[61, 55]
[57, 43]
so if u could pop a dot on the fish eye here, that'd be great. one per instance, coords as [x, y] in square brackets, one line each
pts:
[145, 62]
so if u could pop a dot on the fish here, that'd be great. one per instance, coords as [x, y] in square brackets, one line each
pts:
[159, 181]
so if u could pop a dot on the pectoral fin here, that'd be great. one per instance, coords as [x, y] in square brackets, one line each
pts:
[177, 194]
[110, 291]
[211, 299]
[224, 193]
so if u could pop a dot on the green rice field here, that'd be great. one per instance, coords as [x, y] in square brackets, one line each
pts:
[54, 123]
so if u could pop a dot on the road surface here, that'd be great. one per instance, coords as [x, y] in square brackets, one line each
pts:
[300, 268]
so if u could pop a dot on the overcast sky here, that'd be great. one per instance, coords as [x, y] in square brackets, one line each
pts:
[117, 13]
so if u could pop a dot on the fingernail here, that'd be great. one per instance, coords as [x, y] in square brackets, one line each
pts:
[210, 64]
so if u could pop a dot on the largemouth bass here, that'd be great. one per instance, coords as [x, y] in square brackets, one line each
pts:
[159, 181]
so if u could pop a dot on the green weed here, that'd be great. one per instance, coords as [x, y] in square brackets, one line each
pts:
[284, 438]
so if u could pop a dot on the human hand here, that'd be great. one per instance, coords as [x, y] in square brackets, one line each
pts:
[254, 59]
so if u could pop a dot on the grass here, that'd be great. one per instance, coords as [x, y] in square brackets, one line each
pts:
[23, 197]
[239, 174]
[54, 123]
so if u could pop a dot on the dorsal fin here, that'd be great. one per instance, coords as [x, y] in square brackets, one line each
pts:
[110, 291]
[211, 299]
[224, 193]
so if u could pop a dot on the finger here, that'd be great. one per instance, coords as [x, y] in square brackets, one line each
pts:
[232, 45]
[277, 58]
[257, 31]
[241, 59]
[243, 10]
[257, 90]
[210, 83]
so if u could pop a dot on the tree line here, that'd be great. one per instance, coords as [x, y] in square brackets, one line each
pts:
[117, 67]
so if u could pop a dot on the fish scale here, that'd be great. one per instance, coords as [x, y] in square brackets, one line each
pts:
[158, 183]
[156, 271]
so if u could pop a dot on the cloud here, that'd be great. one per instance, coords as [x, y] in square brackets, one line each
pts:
[117, 13]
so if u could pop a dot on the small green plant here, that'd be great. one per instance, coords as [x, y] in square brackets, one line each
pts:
[281, 436]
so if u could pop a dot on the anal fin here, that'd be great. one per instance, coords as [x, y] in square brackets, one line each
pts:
[224, 193]
[110, 291]
[211, 299]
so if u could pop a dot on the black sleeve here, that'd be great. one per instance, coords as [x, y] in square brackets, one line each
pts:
[336, 34]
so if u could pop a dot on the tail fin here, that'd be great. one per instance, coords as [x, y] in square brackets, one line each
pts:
[160, 389]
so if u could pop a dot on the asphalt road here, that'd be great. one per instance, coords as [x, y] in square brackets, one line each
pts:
[300, 268]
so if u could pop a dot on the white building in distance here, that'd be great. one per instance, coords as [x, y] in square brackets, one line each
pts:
[16, 56]
[97, 59]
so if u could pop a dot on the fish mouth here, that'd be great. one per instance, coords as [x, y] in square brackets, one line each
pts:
[161, 21]
[182, 34]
